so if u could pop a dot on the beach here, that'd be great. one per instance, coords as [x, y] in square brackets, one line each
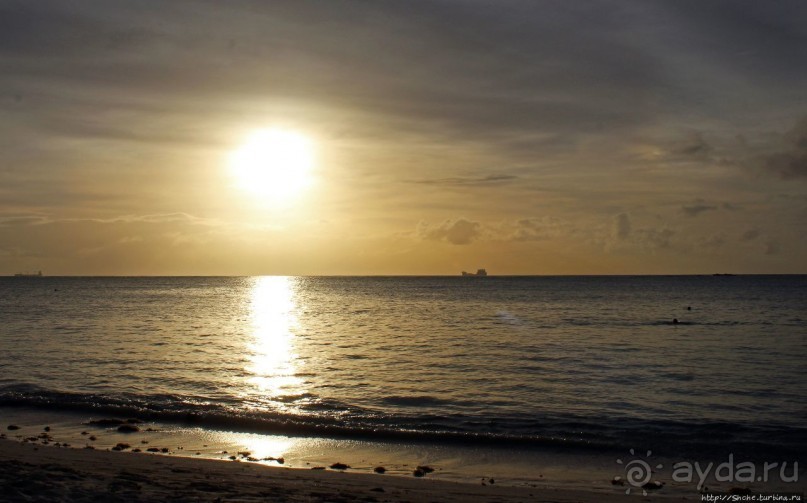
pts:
[516, 387]
[30, 472]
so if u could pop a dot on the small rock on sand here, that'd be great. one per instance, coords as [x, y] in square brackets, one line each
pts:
[379, 469]
[317, 467]
[152, 449]
[425, 469]
[339, 466]
[13, 427]
[128, 428]
[418, 472]
[653, 485]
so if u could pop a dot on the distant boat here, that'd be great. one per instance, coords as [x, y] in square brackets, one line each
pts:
[479, 272]
[37, 274]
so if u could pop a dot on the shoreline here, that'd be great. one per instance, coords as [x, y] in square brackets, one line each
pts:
[32, 442]
[456, 463]
[31, 472]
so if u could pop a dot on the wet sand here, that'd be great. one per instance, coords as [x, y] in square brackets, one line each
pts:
[35, 472]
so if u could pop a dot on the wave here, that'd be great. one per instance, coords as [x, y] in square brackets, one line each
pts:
[415, 401]
[336, 420]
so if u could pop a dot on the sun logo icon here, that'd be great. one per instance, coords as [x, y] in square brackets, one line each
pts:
[638, 473]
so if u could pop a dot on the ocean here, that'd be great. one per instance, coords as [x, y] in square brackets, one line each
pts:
[557, 364]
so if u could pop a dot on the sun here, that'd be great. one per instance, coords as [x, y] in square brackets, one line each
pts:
[273, 164]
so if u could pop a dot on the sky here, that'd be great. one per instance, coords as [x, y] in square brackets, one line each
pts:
[524, 137]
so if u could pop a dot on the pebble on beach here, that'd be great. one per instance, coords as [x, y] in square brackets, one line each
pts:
[653, 485]
[339, 466]
[425, 468]
[13, 427]
[379, 469]
[128, 428]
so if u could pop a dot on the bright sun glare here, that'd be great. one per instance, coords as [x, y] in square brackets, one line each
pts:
[274, 164]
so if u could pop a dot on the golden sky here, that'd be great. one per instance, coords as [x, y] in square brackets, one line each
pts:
[543, 137]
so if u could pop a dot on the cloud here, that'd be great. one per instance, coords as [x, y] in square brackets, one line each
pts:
[624, 234]
[622, 227]
[693, 146]
[538, 229]
[459, 180]
[458, 232]
[697, 209]
[655, 238]
[750, 235]
[791, 162]
[715, 241]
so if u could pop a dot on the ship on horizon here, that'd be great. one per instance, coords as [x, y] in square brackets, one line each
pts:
[479, 272]
[37, 274]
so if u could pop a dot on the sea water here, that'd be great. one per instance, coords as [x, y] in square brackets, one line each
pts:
[546, 364]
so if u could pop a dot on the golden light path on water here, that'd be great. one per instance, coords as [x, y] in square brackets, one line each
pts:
[273, 361]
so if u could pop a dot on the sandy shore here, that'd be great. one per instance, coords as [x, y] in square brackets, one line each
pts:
[30, 472]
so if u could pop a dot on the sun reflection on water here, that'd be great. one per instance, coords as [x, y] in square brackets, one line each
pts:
[273, 362]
